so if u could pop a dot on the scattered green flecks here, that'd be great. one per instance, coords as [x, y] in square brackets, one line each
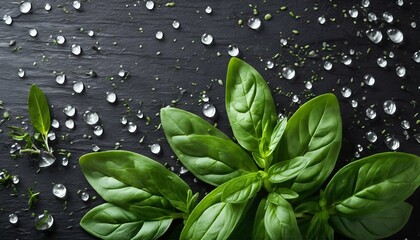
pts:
[240, 22]
[283, 8]
[294, 31]
[170, 4]
[33, 197]
[267, 17]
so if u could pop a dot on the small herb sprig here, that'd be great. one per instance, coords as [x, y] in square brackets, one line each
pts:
[270, 184]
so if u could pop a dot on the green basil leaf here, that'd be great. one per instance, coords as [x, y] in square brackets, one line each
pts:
[133, 181]
[249, 105]
[208, 153]
[369, 184]
[259, 232]
[39, 111]
[319, 228]
[311, 207]
[108, 221]
[243, 188]
[314, 132]
[287, 193]
[279, 219]
[373, 226]
[276, 136]
[212, 218]
[286, 170]
[212, 159]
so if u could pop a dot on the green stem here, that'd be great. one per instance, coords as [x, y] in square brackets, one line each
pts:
[30, 150]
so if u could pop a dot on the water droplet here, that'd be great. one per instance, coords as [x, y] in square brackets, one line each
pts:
[60, 79]
[69, 110]
[150, 5]
[400, 70]
[44, 222]
[392, 143]
[283, 42]
[51, 136]
[47, 7]
[122, 73]
[382, 62]
[254, 23]
[389, 107]
[371, 136]
[91, 33]
[405, 124]
[208, 10]
[205, 98]
[374, 35]
[15, 179]
[78, 87]
[77, 5]
[65, 161]
[95, 148]
[159, 35]
[46, 159]
[98, 130]
[416, 56]
[369, 80]
[346, 92]
[123, 120]
[233, 50]
[359, 148]
[372, 17]
[288, 72]
[84, 196]
[328, 65]
[131, 127]
[354, 103]
[8, 19]
[321, 20]
[25, 7]
[346, 60]
[140, 114]
[413, 24]
[33, 32]
[209, 110]
[370, 113]
[183, 170]
[59, 190]
[111, 97]
[175, 24]
[353, 13]
[15, 148]
[60, 39]
[90, 117]
[365, 3]
[69, 123]
[13, 218]
[21, 73]
[76, 49]
[269, 64]
[400, 3]
[155, 148]
[387, 16]
[206, 39]
[308, 85]
[395, 35]
[295, 98]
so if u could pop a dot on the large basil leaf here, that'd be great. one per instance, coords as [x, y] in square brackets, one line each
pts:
[279, 219]
[285, 170]
[132, 181]
[258, 231]
[314, 132]
[108, 221]
[38, 109]
[212, 218]
[209, 154]
[243, 188]
[319, 228]
[276, 137]
[249, 105]
[372, 183]
[376, 225]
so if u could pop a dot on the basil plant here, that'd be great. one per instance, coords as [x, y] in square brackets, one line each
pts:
[270, 182]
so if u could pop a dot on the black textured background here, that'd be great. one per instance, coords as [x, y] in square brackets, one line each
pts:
[176, 70]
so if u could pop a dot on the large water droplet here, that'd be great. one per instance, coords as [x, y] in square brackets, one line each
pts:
[8, 19]
[400, 70]
[46, 159]
[98, 130]
[90, 117]
[150, 5]
[69, 123]
[25, 7]
[208, 10]
[76, 49]
[374, 35]
[69, 110]
[60, 39]
[416, 56]
[209, 110]
[78, 87]
[21, 73]
[159, 35]
[254, 23]
[321, 20]
[395, 35]
[131, 127]
[175, 24]
[369, 80]
[77, 5]
[346, 92]
[371, 136]
[59, 190]
[382, 62]
[387, 16]
[353, 13]
[392, 143]
[233, 50]
[155, 148]
[207, 39]
[60, 78]
[44, 222]
[328, 65]
[288, 72]
[389, 107]
[13, 218]
[370, 113]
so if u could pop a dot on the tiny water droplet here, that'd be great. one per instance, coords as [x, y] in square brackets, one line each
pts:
[395, 35]
[59, 190]
[382, 62]
[371, 136]
[69, 110]
[15, 179]
[365, 3]
[353, 13]
[405, 124]
[328, 65]
[155, 148]
[288, 72]
[60, 79]
[77, 5]
[55, 124]
[206, 39]
[370, 113]
[47, 7]
[400, 70]
[321, 20]
[413, 24]
[15, 148]
[64, 161]
[400, 3]
[13, 218]
[8, 19]
[78, 87]
[387, 16]
[208, 10]
[33, 32]
[372, 17]
[21, 73]
[346, 60]
[111, 97]
[417, 137]
[254, 23]
[209, 110]
[233, 50]
[150, 5]
[389, 107]
[416, 56]
[90, 117]
[95, 148]
[25, 7]
[159, 35]
[183, 170]
[98, 130]
[295, 98]
[122, 73]
[91, 33]
[140, 114]
[392, 143]
[51, 136]
[46, 159]
[131, 127]
[60, 39]
[269, 64]
[308, 85]
[354, 103]
[69, 123]
[84, 196]
[346, 92]
[283, 42]
[205, 98]
[123, 120]
[175, 24]
[369, 80]
[374, 35]
[76, 49]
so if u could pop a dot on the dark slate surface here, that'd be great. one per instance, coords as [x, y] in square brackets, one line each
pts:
[125, 31]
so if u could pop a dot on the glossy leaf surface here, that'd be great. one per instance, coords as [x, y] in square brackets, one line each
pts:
[243, 188]
[285, 170]
[39, 111]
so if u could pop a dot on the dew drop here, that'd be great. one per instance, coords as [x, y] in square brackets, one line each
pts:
[69, 110]
[254, 23]
[155, 148]
[33, 32]
[60, 39]
[98, 130]
[15, 179]
[44, 222]
[354, 103]
[77, 5]
[47, 7]
[395, 35]
[346, 92]
[25, 7]
[369, 79]
[140, 114]
[269, 64]
[76, 49]
[78, 87]
[413, 24]
[400, 3]
[59, 190]
[372, 17]
[84, 196]
[176, 24]
[209, 110]
[370, 113]
[90, 117]
[123, 120]
[405, 124]
[295, 98]
[150, 5]
[233, 50]
[374, 35]
[13, 218]
[382, 62]
[131, 127]
[328, 65]
[91, 33]
[346, 60]
[111, 97]
[64, 161]
[21, 73]
[365, 3]
[389, 107]
[353, 13]
[400, 70]
[60, 79]
[371, 136]
[416, 56]
[208, 10]
[392, 143]
[308, 85]
[387, 17]
[46, 159]
[206, 39]
[159, 35]
[8, 20]
[321, 20]
[69, 123]
[288, 72]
